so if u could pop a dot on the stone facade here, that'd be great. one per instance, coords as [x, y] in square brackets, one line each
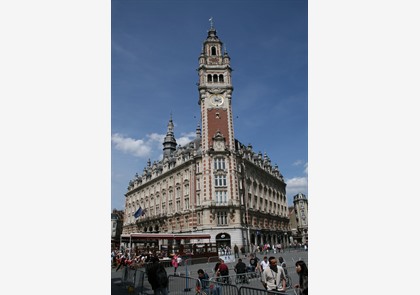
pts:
[214, 184]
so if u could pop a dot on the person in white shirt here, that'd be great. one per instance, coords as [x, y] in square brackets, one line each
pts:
[273, 277]
[264, 263]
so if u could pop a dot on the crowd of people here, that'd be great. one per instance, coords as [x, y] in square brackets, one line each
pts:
[272, 272]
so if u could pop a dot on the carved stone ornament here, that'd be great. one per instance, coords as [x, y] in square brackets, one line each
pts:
[217, 90]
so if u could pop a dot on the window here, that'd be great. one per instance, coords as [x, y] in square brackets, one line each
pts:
[221, 197]
[187, 203]
[213, 50]
[222, 218]
[219, 164]
[178, 205]
[198, 218]
[220, 180]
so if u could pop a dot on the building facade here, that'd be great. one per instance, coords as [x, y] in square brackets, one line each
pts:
[300, 204]
[117, 219]
[214, 184]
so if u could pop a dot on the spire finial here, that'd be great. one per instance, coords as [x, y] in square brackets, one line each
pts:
[211, 23]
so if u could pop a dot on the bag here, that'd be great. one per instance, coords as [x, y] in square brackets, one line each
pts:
[162, 277]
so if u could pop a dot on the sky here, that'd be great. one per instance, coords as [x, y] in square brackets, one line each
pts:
[155, 47]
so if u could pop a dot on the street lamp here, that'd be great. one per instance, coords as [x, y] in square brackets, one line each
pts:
[285, 243]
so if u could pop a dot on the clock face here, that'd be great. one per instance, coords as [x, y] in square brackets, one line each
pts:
[217, 100]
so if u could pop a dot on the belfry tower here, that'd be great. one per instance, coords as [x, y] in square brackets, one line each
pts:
[218, 141]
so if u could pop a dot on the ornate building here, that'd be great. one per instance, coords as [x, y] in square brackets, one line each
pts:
[214, 184]
[300, 215]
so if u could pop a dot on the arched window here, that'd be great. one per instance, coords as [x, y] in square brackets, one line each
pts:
[209, 78]
[220, 78]
[215, 78]
[213, 50]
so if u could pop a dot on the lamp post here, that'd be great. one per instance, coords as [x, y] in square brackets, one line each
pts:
[285, 242]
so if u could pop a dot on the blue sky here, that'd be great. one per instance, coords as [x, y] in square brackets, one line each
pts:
[155, 49]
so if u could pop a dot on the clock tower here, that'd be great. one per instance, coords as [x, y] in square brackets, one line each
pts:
[217, 141]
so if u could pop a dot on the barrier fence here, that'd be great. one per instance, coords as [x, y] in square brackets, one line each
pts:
[249, 283]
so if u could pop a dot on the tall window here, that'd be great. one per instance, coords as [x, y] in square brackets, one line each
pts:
[178, 205]
[222, 218]
[219, 164]
[220, 180]
[187, 203]
[198, 218]
[213, 50]
[221, 197]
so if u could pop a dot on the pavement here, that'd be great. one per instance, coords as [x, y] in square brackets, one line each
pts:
[289, 255]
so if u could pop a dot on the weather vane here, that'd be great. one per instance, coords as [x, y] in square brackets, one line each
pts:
[211, 22]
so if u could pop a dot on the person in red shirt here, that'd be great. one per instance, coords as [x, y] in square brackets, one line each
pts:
[223, 271]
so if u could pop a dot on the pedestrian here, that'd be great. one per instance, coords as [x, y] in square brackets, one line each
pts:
[236, 251]
[223, 271]
[175, 262]
[122, 261]
[203, 282]
[282, 263]
[273, 277]
[157, 277]
[264, 263]
[254, 266]
[240, 269]
[228, 252]
[302, 271]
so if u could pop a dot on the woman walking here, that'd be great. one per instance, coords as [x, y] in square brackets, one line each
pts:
[302, 271]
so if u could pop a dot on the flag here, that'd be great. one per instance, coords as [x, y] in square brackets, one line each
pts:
[138, 213]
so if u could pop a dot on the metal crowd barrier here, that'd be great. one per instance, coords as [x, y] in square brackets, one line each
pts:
[255, 291]
[133, 279]
[182, 285]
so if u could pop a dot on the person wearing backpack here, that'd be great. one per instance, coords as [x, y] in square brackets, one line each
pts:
[157, 277]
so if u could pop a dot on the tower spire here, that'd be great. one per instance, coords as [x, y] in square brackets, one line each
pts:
[211, 23]
[169, 143]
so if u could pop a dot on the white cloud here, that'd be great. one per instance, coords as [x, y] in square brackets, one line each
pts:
[297, 185]
[156, 138]
[148, 147]
[186, 138]
[135, 147]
